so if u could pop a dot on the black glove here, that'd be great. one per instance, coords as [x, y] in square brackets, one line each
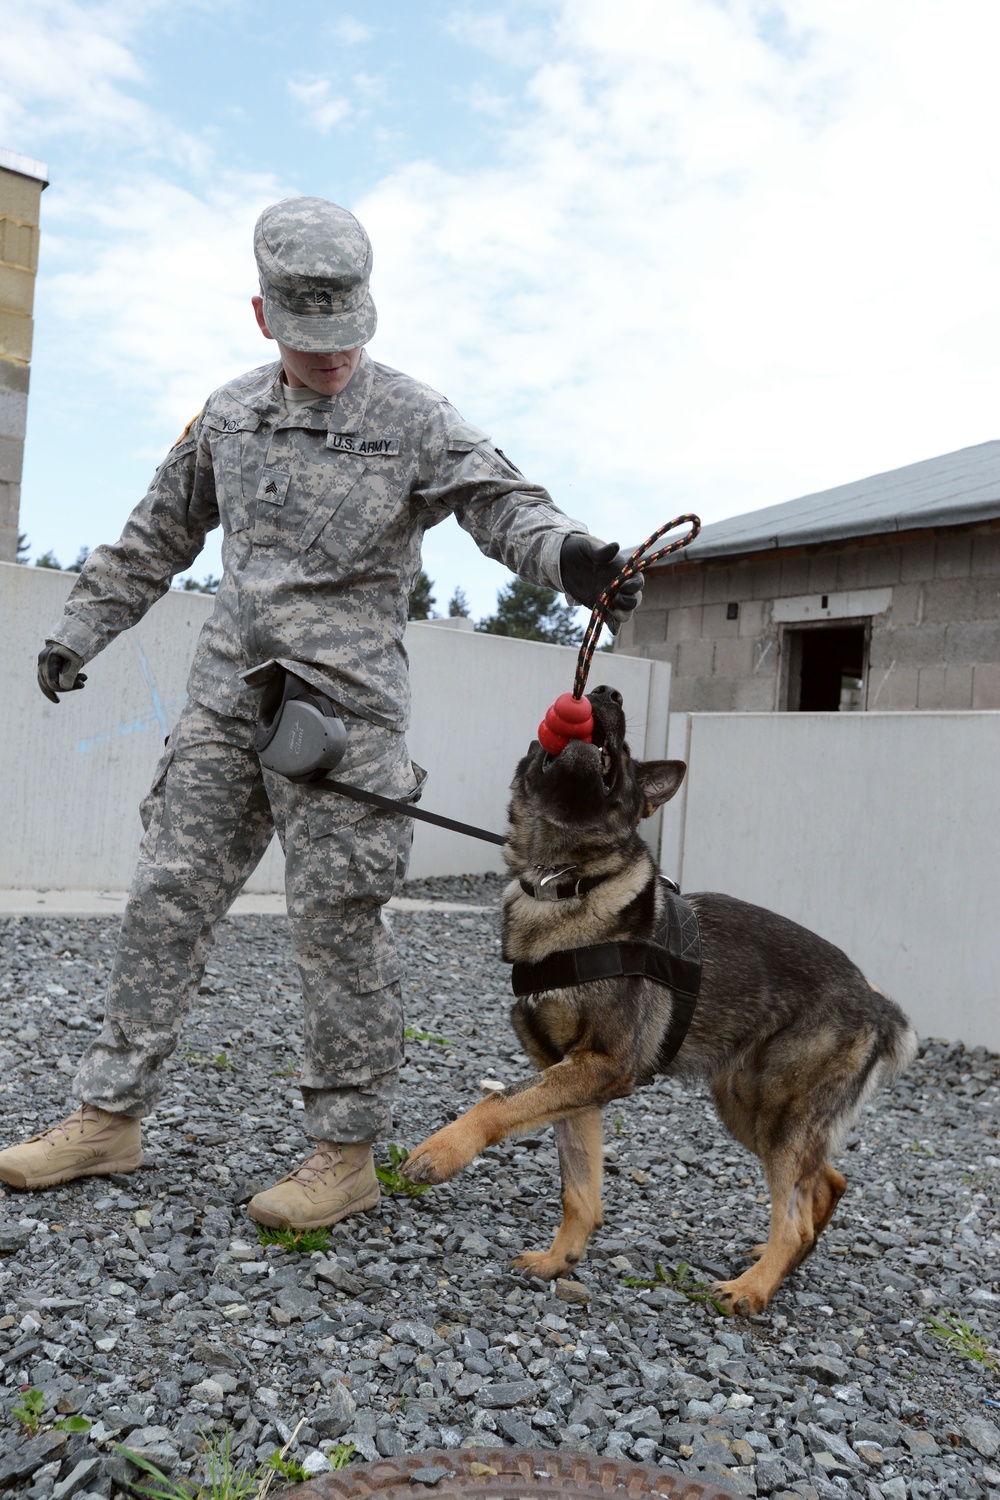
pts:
[59, 670]
[587, 567]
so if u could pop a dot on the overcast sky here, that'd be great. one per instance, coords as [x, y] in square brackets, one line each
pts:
[674, 255]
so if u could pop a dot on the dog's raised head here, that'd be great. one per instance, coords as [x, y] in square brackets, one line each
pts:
[590, 794]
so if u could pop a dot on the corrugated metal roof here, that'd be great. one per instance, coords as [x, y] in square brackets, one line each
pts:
[948, 491]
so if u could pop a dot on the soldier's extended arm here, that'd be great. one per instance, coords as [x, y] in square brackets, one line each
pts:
[162, 537]
[514, 521]
[510, 519]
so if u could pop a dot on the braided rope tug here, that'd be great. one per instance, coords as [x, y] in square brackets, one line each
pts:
[570, 717]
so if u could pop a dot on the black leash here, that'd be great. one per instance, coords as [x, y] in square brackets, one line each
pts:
[409, 811]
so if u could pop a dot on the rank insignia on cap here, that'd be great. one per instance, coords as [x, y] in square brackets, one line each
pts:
[322, 297]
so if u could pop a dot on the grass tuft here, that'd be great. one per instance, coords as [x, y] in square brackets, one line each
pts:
[681, 1279]
[956, 1334]
[303, 1241]
[392, 1179]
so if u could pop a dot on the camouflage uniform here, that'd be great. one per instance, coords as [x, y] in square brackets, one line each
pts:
[323, 509]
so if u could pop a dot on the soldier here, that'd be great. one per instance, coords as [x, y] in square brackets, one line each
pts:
[324, 470]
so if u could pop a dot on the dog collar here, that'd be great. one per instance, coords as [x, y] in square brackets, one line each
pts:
[552, 887]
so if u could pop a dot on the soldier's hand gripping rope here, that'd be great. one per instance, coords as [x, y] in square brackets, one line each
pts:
[569, 717]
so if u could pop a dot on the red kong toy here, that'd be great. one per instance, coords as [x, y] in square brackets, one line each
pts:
[568, 719]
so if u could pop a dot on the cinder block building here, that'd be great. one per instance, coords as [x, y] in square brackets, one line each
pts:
[22, 181]
[882, 594]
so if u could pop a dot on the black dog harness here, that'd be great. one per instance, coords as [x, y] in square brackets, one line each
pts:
[672, 958]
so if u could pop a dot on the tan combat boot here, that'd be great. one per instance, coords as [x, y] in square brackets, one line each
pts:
[93, 1142]
[334, 1182]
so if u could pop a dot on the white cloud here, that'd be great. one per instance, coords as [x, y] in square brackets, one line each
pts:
[321, 106]
[349, 31]
[718, 259]
[65, 67]
[162, 304]
[720, 254]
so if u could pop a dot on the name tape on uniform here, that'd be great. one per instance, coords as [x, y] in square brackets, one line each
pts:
[353, 442]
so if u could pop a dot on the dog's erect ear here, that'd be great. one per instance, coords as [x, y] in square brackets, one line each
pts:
[658, 781]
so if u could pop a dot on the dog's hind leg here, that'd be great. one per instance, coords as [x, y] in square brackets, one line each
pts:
[792, 1236]
[578, 1138]
[828, 1190]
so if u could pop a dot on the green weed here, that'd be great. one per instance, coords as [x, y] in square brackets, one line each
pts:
[29, 1413]
[219, 1060]
[223, 1478]
[29, 1410]
[72, 1424]
[919, 1146]
[956, 1334]
[413, 1034]
[288, 1468]
[305, 1241]
[288, 1071]
[683, 1280]
[392, 1178]
[978, 1178]
[341, 1456]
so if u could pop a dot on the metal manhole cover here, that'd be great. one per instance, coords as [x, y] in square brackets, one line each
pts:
[507, 1474]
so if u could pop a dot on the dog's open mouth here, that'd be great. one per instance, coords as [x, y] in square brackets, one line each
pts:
[609, 769]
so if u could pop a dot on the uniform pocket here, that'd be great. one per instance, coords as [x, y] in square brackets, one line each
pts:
[316, 867]
[342, 478]
[236, 473]
[151, 806]
[379, 858]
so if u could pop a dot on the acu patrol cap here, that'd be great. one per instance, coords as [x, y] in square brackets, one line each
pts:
[314, 261]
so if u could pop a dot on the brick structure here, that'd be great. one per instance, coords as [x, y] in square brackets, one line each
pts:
[884, 594]
[21, 183]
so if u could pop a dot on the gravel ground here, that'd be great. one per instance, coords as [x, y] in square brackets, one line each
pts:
[146, 1304]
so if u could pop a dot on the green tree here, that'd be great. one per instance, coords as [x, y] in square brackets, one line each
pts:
[48, 560]
[458, 606]
[81, 558]
[422, 601]
[208, 585]
[532, 612]
[23, 547]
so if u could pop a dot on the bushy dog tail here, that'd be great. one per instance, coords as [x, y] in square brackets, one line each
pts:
[899, 1041]
[887, 1050]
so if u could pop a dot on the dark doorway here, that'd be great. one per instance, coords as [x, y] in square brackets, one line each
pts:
[826, 668]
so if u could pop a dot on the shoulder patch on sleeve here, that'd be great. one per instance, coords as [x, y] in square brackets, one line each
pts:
[463, 436]
[188, 428]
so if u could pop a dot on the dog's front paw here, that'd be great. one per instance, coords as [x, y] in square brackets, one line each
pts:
[543, 1264]
[438, 1158]
[737, 1300]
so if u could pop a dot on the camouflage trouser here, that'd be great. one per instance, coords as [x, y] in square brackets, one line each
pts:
[208, 818]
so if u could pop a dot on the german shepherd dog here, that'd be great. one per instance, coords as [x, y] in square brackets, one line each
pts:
[790, 1035]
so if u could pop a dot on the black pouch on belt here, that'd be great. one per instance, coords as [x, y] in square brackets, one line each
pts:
[299, 732]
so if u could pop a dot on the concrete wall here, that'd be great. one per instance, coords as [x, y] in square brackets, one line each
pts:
[74, 773]
[879, 831]
[933, 600]
[20, 194]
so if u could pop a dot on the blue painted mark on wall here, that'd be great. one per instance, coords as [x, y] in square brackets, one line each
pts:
[142, 725]
[147, 677]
